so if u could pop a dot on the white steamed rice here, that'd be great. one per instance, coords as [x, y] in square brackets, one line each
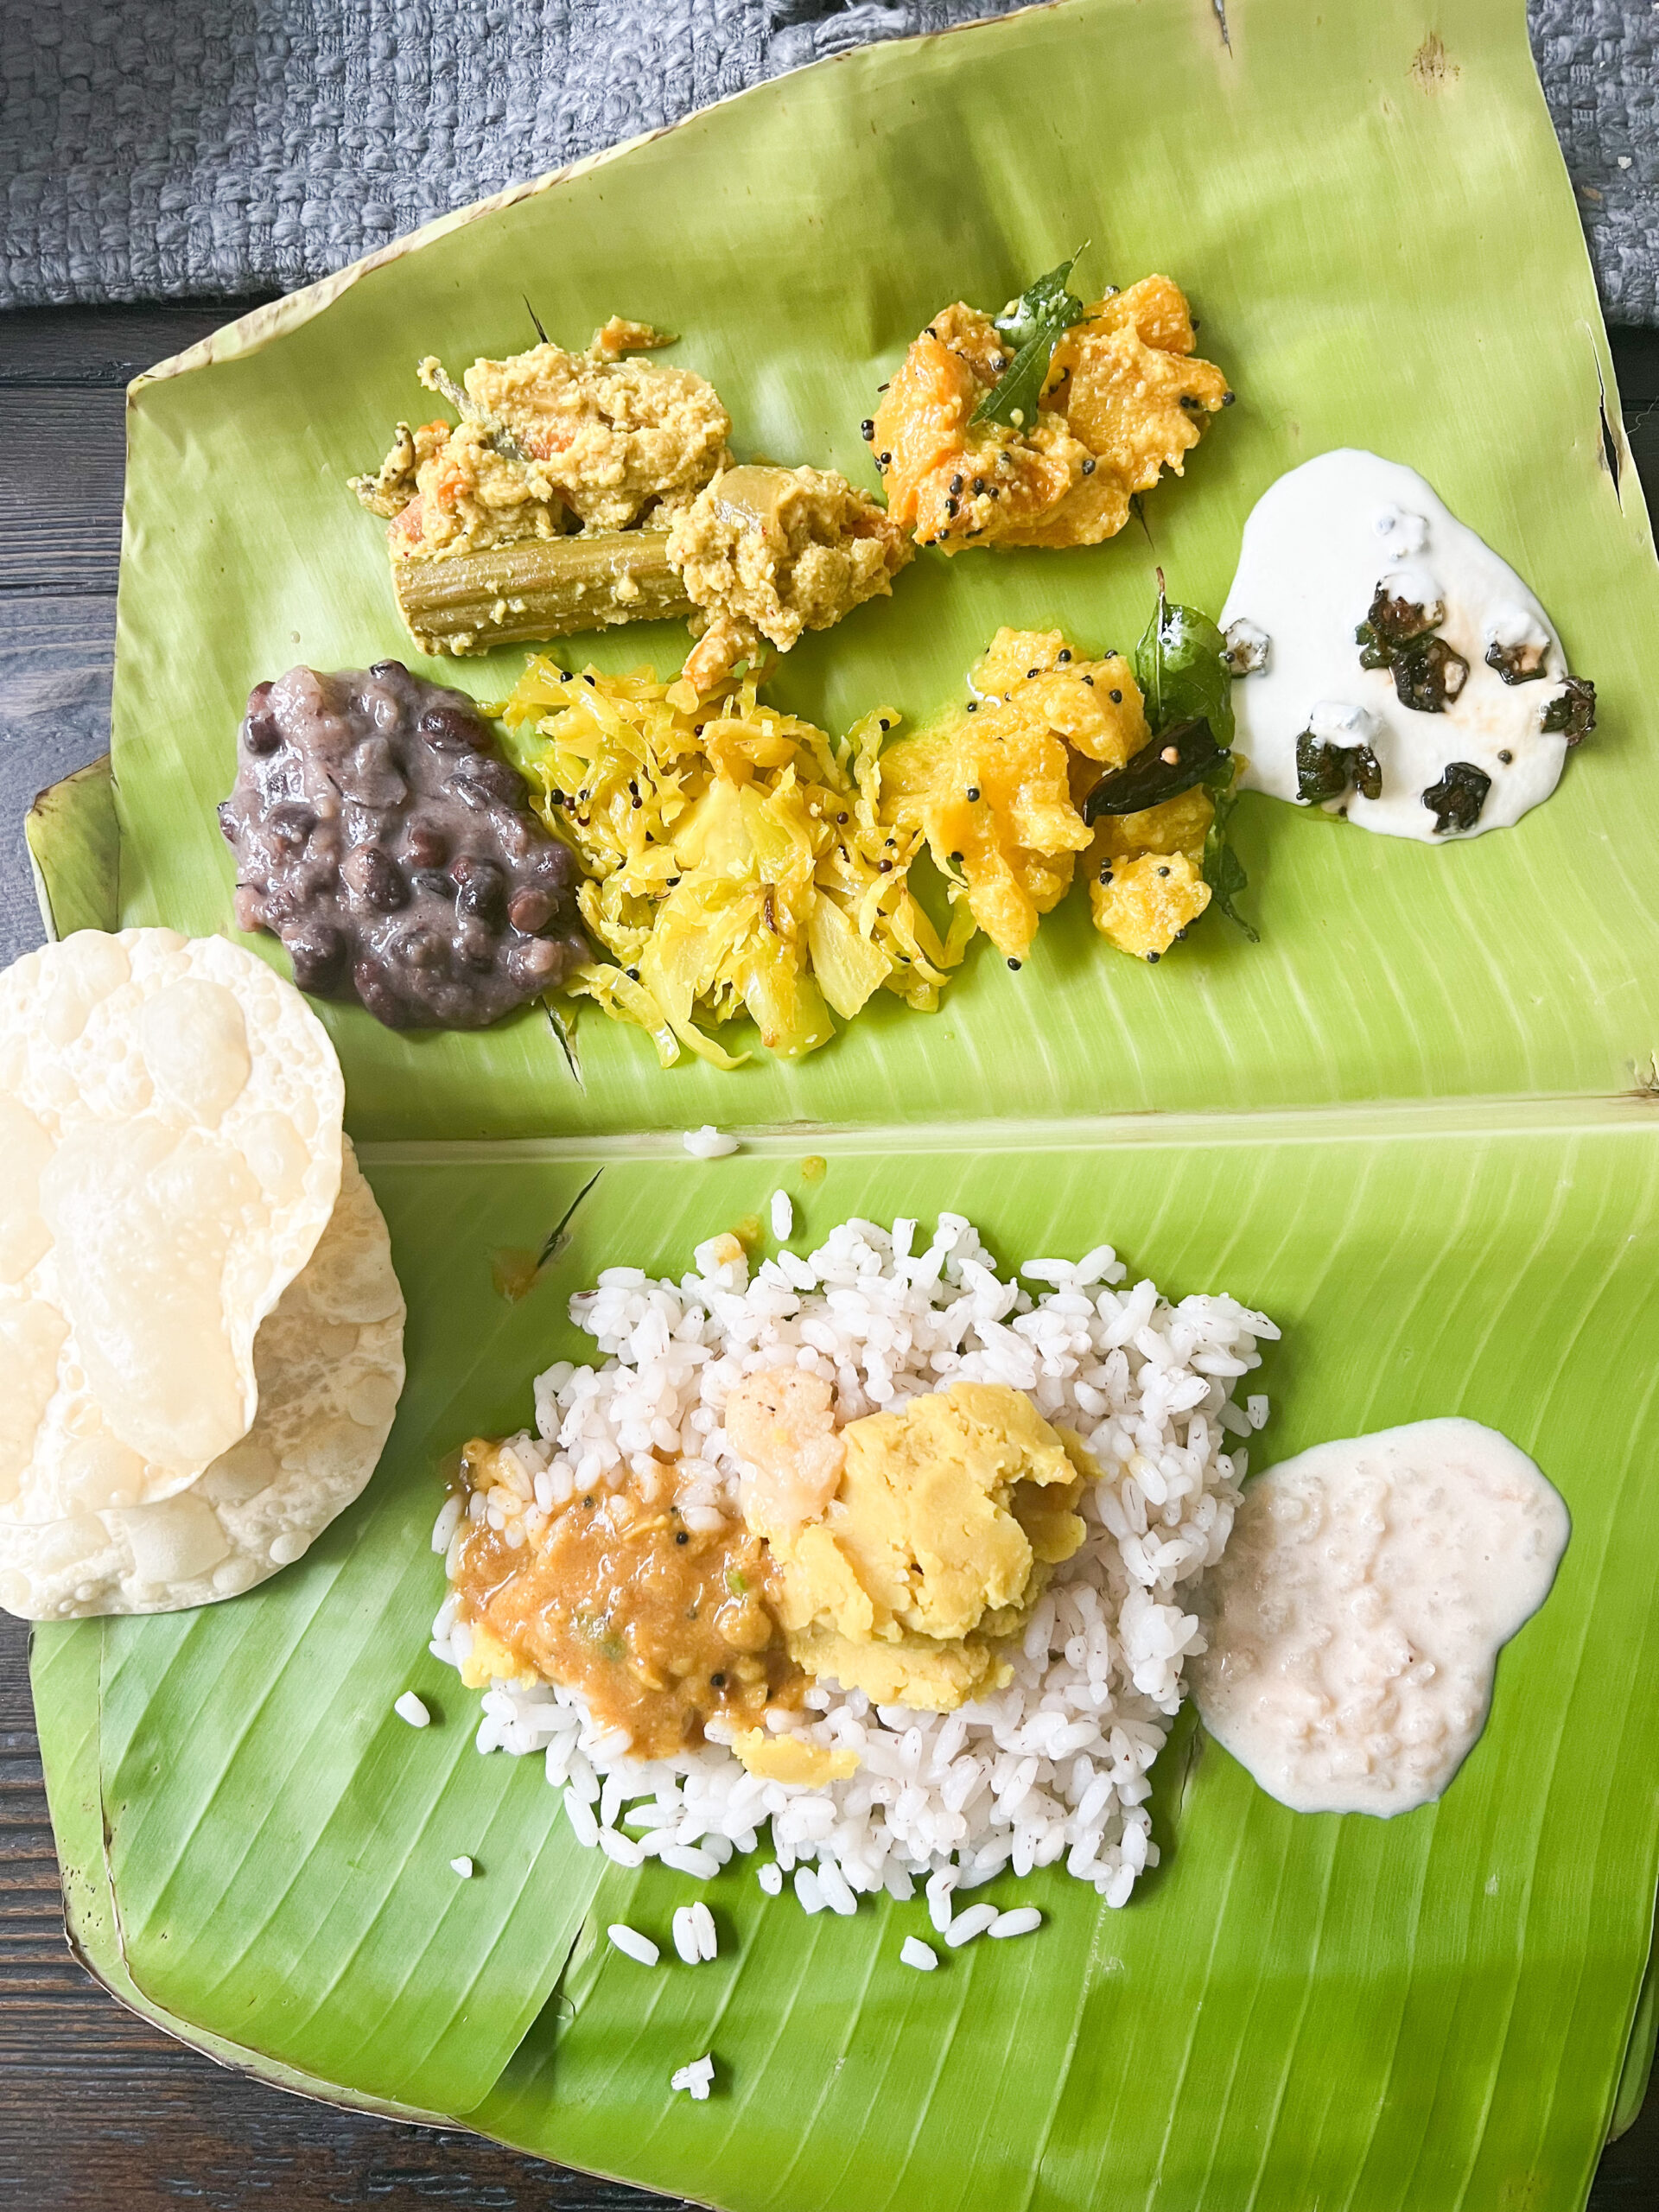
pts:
[1054, 1767]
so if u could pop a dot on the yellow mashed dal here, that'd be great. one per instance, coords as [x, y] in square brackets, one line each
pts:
[933, 1545]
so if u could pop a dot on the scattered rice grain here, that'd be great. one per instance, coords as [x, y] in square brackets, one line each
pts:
[708, 1142]
[708, 1935]
[697, 2078]
[967, 1924]
[632, 1944]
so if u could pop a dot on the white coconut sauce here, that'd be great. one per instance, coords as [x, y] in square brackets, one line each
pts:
[1355, 1619]
[1316, 547]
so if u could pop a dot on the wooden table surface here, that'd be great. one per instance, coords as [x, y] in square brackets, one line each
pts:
[98, 2110]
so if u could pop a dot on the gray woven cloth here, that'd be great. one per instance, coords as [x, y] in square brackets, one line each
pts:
[231, 146]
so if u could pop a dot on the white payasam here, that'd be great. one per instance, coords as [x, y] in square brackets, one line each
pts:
[1317, 546]
[1051, 1767]
[330, 1366]
[1354, 1625]
[171, 1119]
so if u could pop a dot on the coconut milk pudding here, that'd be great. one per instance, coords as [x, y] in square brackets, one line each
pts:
[1355, 1620]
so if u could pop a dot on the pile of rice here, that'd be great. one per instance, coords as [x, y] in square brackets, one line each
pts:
[1052, 1768]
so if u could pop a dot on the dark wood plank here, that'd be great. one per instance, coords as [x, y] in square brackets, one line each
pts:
[63, 458]
[98, 2109]
[1627, 2179]
[103, 348]
[1635, 364]
[63, 376]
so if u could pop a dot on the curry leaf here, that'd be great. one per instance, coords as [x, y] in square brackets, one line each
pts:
[1031, 325]
[1180, 666]
[1050, 295]
[1174, 760]
[1224, 871]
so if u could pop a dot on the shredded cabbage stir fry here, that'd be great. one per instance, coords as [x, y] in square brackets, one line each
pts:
[737, 860]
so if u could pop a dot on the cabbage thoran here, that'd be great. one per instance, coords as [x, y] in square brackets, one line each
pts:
[737, 860]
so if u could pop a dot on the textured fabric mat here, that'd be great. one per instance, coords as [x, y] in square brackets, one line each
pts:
[240, 145]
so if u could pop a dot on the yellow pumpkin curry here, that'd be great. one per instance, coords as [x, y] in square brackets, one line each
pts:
[1126, 398]
[997, 791]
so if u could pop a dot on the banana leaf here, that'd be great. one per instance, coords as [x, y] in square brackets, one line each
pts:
[1448, 2009]
[1377, 233]
[1291, 2007]
[72, 830]
[66, 1665]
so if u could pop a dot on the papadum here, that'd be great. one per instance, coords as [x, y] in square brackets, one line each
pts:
[329, 1362]
[170, 1118]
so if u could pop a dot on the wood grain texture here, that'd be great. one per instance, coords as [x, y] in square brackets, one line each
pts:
[54, 349]
[61, 464]
[97, 2108]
